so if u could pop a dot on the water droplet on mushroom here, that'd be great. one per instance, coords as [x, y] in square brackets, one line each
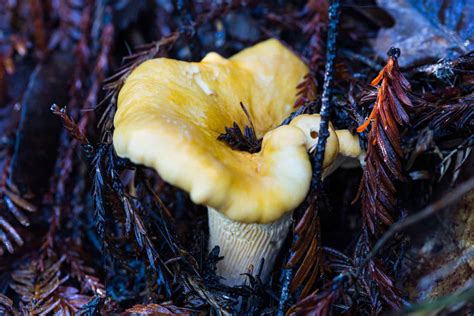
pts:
[203, 85]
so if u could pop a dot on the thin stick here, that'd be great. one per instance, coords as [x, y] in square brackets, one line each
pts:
[287, 274]
[431, 209]
[326, 96]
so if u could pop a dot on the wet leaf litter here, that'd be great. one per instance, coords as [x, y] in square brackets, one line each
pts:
[86, 231]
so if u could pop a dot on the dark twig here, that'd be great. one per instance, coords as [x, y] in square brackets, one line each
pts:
[326, 96]
[288, 273]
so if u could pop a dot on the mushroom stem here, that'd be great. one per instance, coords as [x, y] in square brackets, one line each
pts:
[244, 245]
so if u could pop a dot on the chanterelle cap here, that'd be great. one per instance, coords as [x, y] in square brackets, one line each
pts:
[171, 112]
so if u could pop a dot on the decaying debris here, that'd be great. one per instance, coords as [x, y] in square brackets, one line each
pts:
[75, 216]
[246, 141]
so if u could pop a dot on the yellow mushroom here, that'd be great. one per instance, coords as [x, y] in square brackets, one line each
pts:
[342, 147]
[169, 116]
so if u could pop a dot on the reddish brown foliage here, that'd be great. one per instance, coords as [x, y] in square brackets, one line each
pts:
[317, 304]
[306, 252]
[73, 129]
[314, 27]
[458, 115]
[166, 308]
[384, 153]
[145, 239]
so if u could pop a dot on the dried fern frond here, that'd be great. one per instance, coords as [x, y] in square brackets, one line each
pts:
[13, 203]
[42, 292]
[314, 26]
[321, 302]
[6, 306]
[372, 279]
[306, 252]
[455, 158]
[109, 189]
[369, 279]
[456, 116]
[166, 308]
[384, 153]
[70, 125]
[82, 272]
[246, 141]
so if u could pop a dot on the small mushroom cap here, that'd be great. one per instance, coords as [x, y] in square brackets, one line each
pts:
[309, 124]
[349, 145]
[171, 112]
